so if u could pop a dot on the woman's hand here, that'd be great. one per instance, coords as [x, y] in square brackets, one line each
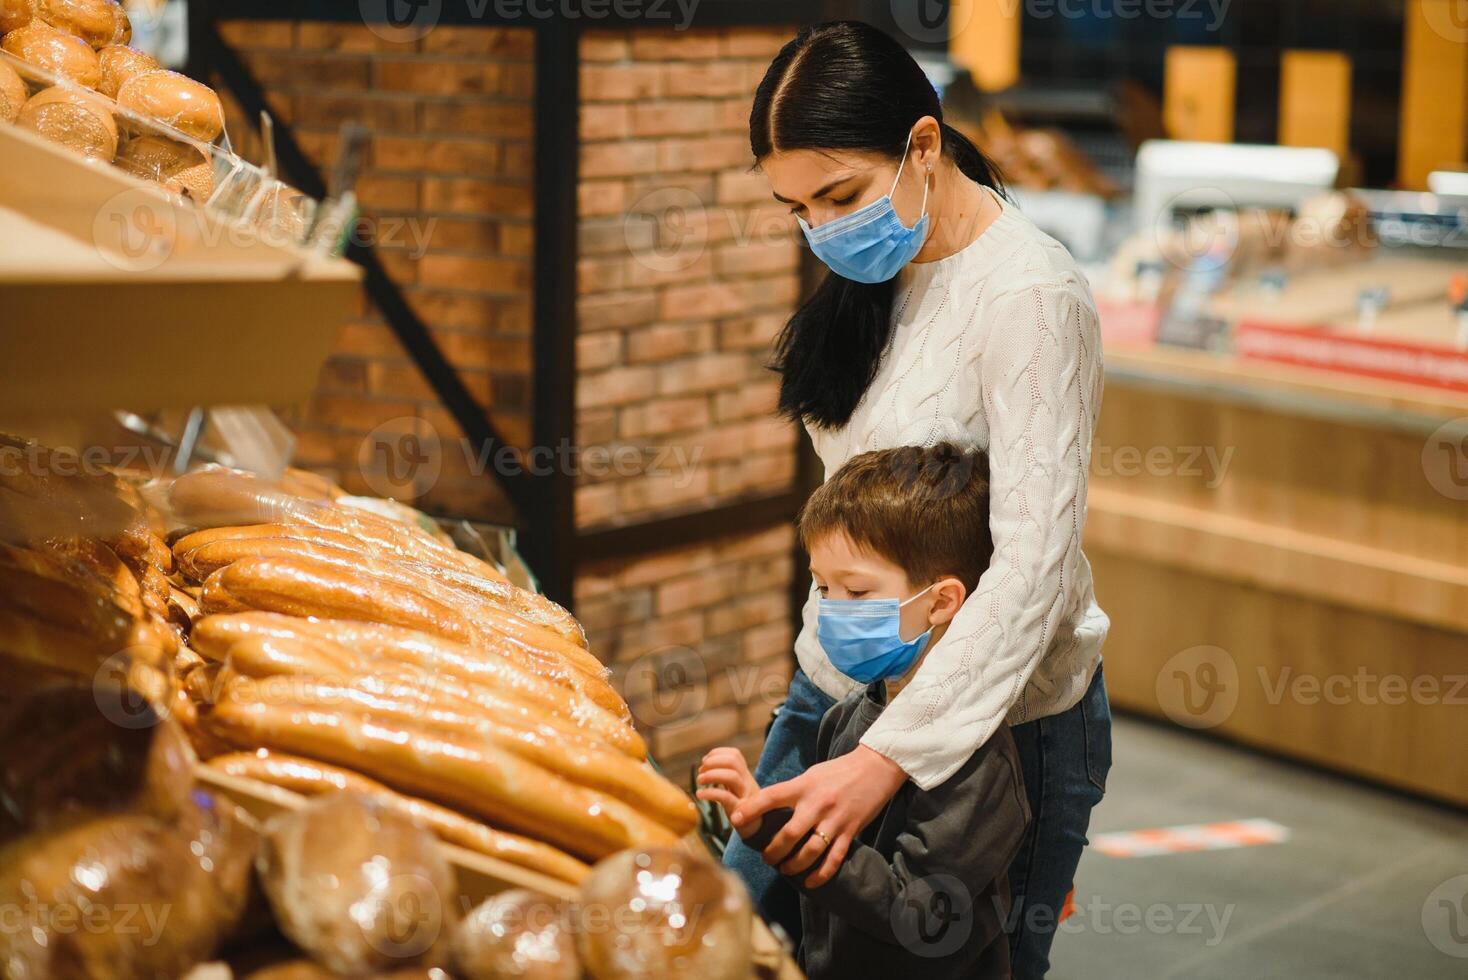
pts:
[724, 778]
[837, 797]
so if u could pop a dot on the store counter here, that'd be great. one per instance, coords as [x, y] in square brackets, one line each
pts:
[1283, 552]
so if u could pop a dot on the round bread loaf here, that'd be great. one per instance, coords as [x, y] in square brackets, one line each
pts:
[42, 45]
[72, 118]
[98, 22]
[648, 897]
[178, 165]
[177, 100]
[517, 934]
[13, 93]
[119, 63]
[14, 14]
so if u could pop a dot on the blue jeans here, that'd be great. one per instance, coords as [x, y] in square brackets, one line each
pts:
[790, 749]
[1065, 759]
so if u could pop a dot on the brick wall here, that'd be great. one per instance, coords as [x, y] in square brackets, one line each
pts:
[686, 270]
[447, 196]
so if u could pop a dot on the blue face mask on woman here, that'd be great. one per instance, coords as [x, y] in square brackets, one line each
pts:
[863, 637]
[870, 244]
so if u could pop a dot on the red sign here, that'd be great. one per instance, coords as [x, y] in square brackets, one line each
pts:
[1374, 357]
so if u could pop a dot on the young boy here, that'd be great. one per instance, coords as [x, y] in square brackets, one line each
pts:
[897, 540]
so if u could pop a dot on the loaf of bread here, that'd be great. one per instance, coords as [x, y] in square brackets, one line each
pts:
[334, 648]
[583, 764]
[178, 166]
[517, 933]
[175, 100]
[496, 786]
[49, 49]
[358, 886]
[311, 778]
[98, 22]
[118, 63]
[15, 14]
[647, 896]
[69, 117]
[13, 93]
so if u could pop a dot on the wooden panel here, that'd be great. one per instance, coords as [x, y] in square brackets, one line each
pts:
[1434, 116]
[1198, 98]
[984, 38]
[1361, 693]
[1315, 100]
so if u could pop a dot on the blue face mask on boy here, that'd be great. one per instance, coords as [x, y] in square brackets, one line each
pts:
[870, 244]
[863, 638]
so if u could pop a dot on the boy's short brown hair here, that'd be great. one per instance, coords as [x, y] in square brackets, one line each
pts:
[924, 510]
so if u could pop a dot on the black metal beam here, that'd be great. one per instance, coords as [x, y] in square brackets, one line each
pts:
[742, 516]
[552, 509]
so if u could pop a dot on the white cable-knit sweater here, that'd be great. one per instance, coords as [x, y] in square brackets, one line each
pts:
[996, 346]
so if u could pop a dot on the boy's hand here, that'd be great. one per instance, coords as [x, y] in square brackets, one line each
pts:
[724, 778]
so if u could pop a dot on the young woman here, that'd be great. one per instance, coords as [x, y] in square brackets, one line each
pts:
[947, 315]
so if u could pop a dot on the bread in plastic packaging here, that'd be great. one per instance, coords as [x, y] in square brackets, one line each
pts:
[56, 51]
[15, 14]
[98, 22]
[518, 934]
[64, 759]
[175, 100]
[664, 913]
[74, 119]
[119, 63]
[178, 166]
[13, 93]
[359, 888]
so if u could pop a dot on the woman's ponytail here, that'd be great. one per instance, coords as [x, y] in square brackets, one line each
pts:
[844, 86]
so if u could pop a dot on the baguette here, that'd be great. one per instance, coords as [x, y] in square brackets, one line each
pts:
[479, 779]
[585, 764]
[311, 778]
[501, 605]
[263, 644]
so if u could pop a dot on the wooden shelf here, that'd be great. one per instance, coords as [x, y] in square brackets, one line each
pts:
[119, 295]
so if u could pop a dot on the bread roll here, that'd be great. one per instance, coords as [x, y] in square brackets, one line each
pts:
[15, 14]
[13, 93]
[356, 885]
[98, 22]
[177, 165]
[646, 898]
[586, 765]
[67, 55]
[517, 934]
[176, 100]
[479, 779]
[118, 63]
[306, 970]
[311, 778]
[83, 123]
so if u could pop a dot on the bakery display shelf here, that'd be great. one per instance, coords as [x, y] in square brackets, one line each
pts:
[479, 876]
[116, 292]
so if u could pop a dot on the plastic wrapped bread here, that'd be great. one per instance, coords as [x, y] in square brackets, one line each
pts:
[98, 22]
[55, 51]
[517, 935]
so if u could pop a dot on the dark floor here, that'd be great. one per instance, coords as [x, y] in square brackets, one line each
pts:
[1369, 885]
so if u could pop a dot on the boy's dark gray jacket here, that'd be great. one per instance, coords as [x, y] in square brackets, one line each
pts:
[923, 891]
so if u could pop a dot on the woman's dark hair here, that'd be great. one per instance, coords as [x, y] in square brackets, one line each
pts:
[844, 86]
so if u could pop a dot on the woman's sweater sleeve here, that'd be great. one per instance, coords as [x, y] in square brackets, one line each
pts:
[1037, 369]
